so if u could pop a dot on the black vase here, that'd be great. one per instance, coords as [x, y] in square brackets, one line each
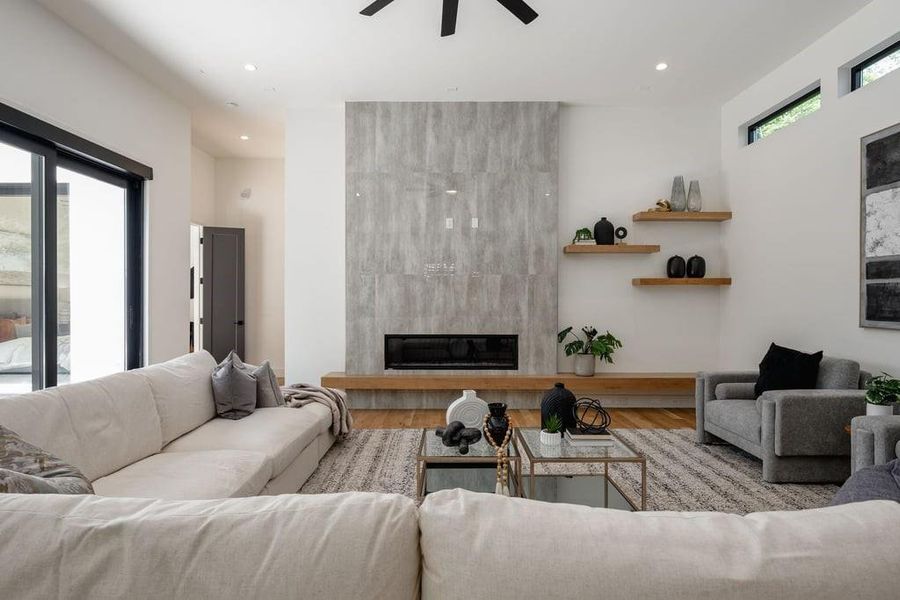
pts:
[696, 267]
[498, 422]
[559, 401]
[604, 233]
[676, 268]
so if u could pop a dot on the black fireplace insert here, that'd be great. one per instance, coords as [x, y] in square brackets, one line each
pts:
[450, 351]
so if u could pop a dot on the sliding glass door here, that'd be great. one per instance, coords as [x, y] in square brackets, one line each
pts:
[21, 179]
[71, 258]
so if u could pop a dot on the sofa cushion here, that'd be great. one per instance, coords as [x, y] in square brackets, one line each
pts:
[335, 546]
[27, 469]
[98, 426]
[190, 476]
[735, 391]
[182, 389]
[234, 388]
[878, 482]
[787, 369]
[838, 374]
[280, 433]
[510, 548]
[268, 392]
[737, 416]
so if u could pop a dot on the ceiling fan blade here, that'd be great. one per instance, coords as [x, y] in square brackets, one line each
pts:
[448, 21]
[373, 8]
[522, 11]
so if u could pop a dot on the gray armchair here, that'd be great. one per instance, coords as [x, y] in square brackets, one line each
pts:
[875, 441]
[800, 435]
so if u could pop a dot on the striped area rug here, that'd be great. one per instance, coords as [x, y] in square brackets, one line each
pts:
[682, 474]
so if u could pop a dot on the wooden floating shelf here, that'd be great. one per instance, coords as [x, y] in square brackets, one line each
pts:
[610, 383]
[611, 249]
[703, 281]
[693, 217]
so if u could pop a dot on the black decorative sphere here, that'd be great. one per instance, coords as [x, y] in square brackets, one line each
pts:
[591, 417]
[559, 401]
[604, 232]
[696, 267]
[675, 267]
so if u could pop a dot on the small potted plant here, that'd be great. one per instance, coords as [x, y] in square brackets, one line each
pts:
[583, 236]
[586, 351]
[882, 393]
[550, 434]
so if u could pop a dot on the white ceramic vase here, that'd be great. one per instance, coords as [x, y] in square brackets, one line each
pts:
[468, 409]
[879, 410]
[550, 439]
[585, 365]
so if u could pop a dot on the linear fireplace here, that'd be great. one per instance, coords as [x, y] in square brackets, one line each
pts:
[449, 351]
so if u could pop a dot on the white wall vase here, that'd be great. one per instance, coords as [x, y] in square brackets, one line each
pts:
[468, 409]
[879, 410]
[585, 364]
[694, 198]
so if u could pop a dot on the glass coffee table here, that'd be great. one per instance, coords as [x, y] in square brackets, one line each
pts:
[591, 485]
[439, 467]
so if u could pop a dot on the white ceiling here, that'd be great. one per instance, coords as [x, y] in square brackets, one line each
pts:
[314, 52]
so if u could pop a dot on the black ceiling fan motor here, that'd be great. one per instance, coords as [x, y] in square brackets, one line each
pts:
[519, 8]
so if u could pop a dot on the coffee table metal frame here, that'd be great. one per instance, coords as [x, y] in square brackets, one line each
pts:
[423, 460]
[638, 458]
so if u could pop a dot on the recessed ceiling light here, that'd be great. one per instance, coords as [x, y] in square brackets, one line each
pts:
[232, 104]
[249, 67]
[245, 137]
[452, 192]
[662, 66]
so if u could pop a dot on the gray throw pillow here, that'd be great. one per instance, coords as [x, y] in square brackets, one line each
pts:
[268, 392]
[234, 389]
[26, 469]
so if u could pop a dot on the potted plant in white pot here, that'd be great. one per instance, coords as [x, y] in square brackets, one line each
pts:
[588, 350]
[551, 434]
[882, 393]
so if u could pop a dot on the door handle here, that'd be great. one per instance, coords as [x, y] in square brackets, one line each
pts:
[240, 323]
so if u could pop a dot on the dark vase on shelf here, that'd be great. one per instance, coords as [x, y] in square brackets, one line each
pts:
[559, 401]
[604, 232]
[696, 267]
[676, 267]
[498, 422]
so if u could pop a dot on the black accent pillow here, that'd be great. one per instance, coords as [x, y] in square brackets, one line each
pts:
[786, 369]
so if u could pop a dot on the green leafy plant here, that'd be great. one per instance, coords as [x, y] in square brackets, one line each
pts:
[553, 423]
[882, 390]
[601, 346]
[583, 234]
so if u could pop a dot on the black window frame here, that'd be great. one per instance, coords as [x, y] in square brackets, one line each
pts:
[755, 127]
[52, 147]
[856, 72]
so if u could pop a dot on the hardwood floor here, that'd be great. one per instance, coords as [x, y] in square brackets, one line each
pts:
[622, 418]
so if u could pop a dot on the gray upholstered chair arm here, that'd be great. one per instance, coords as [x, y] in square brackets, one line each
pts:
[810, 422]
[705, 391]
[875, 440]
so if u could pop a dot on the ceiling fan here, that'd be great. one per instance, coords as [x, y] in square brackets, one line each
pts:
[451, 7]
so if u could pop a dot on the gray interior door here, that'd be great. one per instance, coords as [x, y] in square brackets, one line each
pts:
[223, 291]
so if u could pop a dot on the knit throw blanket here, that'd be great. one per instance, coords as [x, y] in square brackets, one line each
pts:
[301, 394]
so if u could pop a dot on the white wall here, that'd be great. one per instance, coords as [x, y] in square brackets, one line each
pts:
[203, 187]
[614, 162]
[262, 217]
[54, 73]
[314, 264]
[793, 247]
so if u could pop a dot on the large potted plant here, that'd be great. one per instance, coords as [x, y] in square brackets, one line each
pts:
[589, 349]
[882, 393]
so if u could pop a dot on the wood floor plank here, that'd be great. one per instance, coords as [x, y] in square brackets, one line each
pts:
[623, 418]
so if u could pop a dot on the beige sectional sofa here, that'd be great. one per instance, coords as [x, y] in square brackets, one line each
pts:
[456, 545]
[153, 433]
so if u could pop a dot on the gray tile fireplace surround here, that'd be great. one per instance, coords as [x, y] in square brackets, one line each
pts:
[411, 168]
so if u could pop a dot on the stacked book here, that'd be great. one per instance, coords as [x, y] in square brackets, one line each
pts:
[577, 438]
